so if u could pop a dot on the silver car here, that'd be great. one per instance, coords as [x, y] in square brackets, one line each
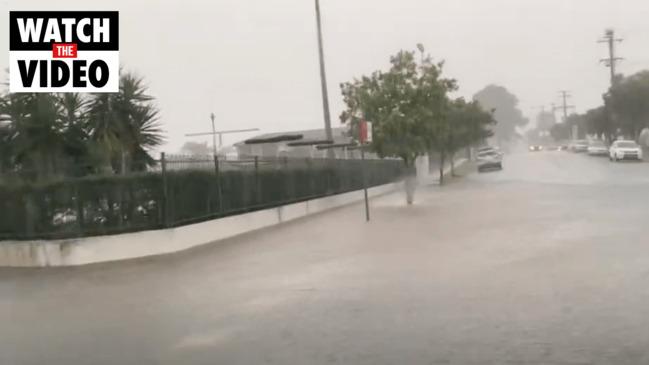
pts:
[488, 160]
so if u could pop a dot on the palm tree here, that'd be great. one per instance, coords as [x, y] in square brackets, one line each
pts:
[126, 125]
[32, 131]
[77, 148]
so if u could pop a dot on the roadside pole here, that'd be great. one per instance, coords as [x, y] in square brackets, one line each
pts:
[367, 201]
[365, 136]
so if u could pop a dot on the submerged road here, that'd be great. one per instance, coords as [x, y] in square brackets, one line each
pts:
[546, 262]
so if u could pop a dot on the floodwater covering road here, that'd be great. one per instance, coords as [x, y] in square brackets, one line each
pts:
[546, 262]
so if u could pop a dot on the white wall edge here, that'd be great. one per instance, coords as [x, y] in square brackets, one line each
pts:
[89, 250]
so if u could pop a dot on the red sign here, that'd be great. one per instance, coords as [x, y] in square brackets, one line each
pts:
[365, 132]
[64, 50]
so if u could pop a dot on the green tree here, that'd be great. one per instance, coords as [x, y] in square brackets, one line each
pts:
[407, 105]
[468, 124]
[560, 132]
[77, 147]
[125, 125]
[594, 121]
[598, 123]
[627, 102]
[33, 132]
[506, 111]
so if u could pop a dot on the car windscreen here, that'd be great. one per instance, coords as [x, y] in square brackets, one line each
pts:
[487, 154]
[597, 144]
[627, 144]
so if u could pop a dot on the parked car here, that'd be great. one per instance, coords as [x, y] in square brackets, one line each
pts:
[579, 146]
[489, 159]
[563, 145]
[625, 150]
[597, 148]
[490, 148]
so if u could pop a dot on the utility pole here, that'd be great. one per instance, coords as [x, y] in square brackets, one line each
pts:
[214, 150]
[564, 106]
[215, 133]
[421, 49]
[564, 96]
[323, 80]
[610, 62]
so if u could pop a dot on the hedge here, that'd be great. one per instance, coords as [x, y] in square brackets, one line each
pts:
[98, 205]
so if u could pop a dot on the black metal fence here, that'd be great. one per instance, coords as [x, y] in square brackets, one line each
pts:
[180, 190]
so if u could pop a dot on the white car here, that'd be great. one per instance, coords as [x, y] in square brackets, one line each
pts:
[625, 150]
[579, 146]
[489, 148]
[597, 148]
[489, 159]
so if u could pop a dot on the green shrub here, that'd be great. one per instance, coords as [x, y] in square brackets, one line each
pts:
[110, 204]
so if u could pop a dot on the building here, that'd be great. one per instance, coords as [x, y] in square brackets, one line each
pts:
[282, 149]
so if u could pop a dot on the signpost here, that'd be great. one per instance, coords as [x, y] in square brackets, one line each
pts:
[365, 137]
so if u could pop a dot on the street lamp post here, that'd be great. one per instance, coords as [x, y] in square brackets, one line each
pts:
[213, 135]
[323, 79]
[421, 49]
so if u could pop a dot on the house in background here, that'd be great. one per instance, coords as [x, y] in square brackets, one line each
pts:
[282, 149]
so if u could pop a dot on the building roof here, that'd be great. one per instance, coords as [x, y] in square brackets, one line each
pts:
[339, 135]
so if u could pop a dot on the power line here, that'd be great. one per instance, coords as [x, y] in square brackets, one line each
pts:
[611, 61]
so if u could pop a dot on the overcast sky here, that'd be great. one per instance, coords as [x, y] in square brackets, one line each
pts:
[254, 62]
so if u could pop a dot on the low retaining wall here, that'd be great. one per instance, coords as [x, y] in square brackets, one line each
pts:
[90, 250]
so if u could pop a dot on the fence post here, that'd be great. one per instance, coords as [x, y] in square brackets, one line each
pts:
[289, 181]
[79, 208]
[257, 190]
[217, 170]
[309, 173]
[165, 191]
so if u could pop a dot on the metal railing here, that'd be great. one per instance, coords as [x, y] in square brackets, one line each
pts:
[179, 190]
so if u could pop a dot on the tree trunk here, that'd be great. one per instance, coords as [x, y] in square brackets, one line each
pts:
[452, 156]
[411, 187]
[410, 183]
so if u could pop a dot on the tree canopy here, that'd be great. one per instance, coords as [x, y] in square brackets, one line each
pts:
[627, 102]
[411, 111]
[407, 105]
[45, 134]
[625, 112]
[468, 123]
[506, 111]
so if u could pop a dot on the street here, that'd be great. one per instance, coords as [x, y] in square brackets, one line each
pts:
[545, 262]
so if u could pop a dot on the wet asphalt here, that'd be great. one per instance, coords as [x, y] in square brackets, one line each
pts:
[545, 262]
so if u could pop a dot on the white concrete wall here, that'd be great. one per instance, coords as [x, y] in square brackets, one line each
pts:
[148, 243]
